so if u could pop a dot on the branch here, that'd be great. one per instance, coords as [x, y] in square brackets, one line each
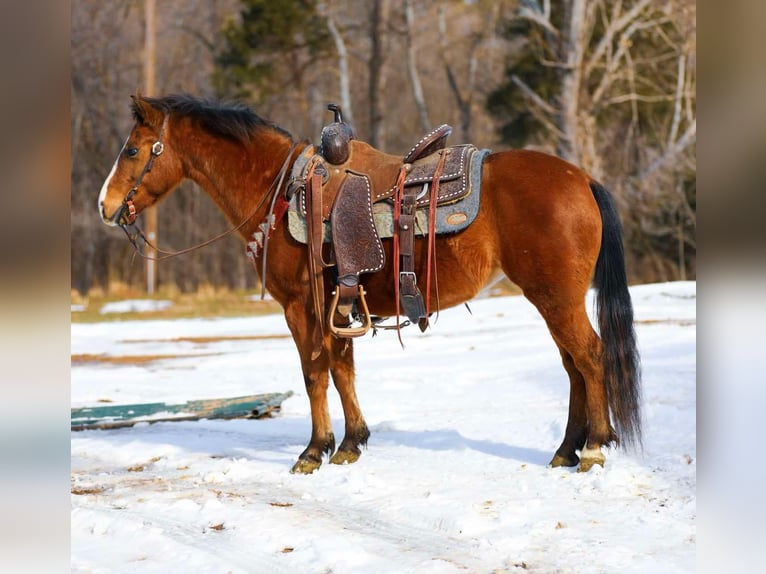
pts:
[526, 13]
[623, 49]
[606, 79]
[540, 108]
[679, 99]
[533, 96]
[638, 98]
[609, 33]
[199, 36]
[689, 137]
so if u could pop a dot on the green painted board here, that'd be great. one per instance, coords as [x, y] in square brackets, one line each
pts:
[119, 416]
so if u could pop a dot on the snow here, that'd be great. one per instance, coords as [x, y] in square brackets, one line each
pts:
[134, 306]
[464, 421]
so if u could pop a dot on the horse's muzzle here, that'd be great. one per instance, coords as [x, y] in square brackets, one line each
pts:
[113, 220]
[125, 215]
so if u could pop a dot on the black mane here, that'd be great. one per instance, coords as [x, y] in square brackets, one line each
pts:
[228, 119]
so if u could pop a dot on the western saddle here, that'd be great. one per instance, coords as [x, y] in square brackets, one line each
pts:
[337, 185]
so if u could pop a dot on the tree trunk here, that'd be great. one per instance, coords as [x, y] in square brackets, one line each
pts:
[572, 47]
[343, 76]
[377, 80]
[412, 69]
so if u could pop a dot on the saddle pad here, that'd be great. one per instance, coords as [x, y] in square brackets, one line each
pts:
[450, 218]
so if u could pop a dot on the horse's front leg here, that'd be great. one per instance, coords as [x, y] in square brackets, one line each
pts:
[316, 378]
[343, 375]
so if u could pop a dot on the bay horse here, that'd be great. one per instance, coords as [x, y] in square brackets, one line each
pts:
[545, 223]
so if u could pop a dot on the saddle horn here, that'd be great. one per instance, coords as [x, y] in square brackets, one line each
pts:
[338, 113]
[335, 138]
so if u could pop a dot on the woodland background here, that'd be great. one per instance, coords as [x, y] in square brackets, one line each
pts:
[609, 85]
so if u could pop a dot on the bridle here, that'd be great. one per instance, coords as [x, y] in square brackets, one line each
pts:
[127, 203]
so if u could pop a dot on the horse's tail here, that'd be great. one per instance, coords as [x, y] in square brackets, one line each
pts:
[622, 376]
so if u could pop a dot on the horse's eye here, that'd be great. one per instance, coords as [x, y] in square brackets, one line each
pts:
[132, 151]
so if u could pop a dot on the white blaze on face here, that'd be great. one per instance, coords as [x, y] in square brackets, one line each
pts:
[102, 194]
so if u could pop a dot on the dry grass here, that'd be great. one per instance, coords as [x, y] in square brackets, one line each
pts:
[206, 302]
[82, 491]
[86, 358]
[206, 340]
[679, 322]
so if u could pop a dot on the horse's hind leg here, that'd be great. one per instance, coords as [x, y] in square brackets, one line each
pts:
[342, 371]
[581, 353]
[577, 423]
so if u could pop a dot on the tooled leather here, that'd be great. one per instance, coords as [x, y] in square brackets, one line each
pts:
[357, 247]
[454, 171]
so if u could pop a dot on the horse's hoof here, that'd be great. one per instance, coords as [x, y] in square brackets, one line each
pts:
[344, 457]
[559, 460]
[589, 457]
[304, 466]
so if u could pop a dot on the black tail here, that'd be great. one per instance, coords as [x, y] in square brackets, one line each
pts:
[622, 376]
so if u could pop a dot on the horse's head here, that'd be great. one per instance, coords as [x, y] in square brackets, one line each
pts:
[146, 169]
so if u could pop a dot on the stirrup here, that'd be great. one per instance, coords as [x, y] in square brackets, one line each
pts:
[346, 332]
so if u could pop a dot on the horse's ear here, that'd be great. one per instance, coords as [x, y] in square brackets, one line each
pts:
[144, 112]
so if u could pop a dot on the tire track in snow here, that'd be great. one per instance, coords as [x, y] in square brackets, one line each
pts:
[421, 538]
[227, 552]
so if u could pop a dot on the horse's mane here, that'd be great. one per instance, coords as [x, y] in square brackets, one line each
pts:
[228, 119]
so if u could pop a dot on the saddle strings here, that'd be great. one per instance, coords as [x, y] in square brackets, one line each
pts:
[274, 188]
[431, 265]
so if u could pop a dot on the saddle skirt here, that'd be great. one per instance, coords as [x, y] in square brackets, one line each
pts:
[457, 202]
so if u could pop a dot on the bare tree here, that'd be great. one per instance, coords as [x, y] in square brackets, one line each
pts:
[344, 81]
[377, 81]
[626, 111]
[464, 92]
[600, 73]
[412, 67]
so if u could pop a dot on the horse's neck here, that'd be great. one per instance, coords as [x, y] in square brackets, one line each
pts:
[234, 175]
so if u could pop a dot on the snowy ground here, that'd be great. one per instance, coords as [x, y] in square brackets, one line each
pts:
[463, 422]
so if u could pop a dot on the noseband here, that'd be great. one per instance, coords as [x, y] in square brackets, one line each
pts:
[157, 148]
